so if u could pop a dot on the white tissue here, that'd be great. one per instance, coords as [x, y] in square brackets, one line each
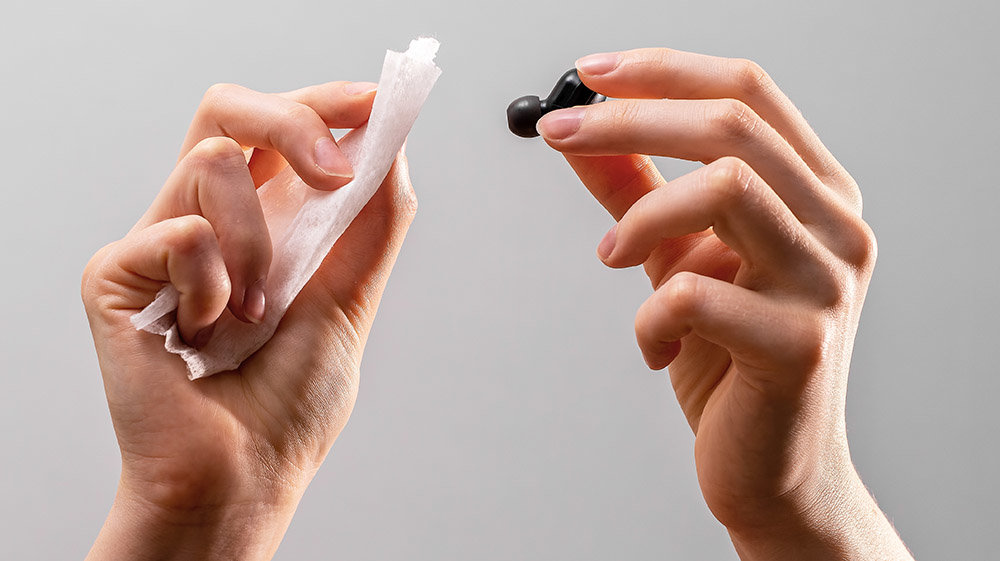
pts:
[304, 223]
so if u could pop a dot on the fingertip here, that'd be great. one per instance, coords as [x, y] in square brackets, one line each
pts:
[360, 88]
[254, 302]
[598, 64]
[607, 245]
[561, 124]
[334, 167]
[661, 357]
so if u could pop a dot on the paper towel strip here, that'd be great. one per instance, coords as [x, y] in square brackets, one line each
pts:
[303, 222]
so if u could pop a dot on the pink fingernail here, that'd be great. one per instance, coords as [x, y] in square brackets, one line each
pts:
[360, 88]
[607, 244]
[331, 160]
[598, 64]
[253, 302]
[561, 124]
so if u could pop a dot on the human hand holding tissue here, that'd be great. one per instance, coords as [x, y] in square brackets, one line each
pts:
[215, 467]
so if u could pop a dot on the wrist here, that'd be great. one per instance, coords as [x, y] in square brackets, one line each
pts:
[830, 517]
[137, 528]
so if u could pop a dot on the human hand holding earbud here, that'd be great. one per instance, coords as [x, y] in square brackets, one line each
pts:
[215, 468]
[760, 262]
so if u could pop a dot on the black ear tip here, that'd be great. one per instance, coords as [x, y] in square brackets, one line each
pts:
[523, 114]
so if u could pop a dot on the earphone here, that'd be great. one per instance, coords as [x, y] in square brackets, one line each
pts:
[524, 112]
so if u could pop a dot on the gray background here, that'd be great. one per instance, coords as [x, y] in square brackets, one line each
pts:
[504, 410]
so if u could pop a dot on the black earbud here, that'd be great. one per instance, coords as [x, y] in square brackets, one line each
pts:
[524, 112]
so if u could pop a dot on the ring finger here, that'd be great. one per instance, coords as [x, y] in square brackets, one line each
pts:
[728, 197]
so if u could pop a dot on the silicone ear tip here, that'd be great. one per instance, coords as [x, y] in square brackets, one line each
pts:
[523, 114]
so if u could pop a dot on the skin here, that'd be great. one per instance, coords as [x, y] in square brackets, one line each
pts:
[215, 468]
[760, 262]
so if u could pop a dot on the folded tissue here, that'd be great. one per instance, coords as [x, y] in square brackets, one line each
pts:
[304, 223]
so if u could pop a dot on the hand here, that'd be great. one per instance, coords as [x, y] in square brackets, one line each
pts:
[216, 467]
[760, 261]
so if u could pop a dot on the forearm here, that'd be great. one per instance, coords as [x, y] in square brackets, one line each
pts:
[843, 523]
[138, 530]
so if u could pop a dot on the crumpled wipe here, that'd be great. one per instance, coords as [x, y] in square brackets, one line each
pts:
[304, 223]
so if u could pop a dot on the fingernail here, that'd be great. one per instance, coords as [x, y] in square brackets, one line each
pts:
[331, 160]
[202, 337]
[561, 124]
[360, 88]
[598, 64]
[607, 244]
[253, 302]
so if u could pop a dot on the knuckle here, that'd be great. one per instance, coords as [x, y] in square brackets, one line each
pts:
[751, 79]
[861, 248]
[294, 123]
[683, 295]
[832, 282]
[809, 346]
[400, 210]
[734, 121]
[216, 152]
[729, 180]
[852, 193]
[828, 285]
[626, 113]
[90, 276]
[659, 58]
[190, 236]
[667, 314]
[299, 115]
[217, 94]
[404, 197]
[250, 248]
[407, 200]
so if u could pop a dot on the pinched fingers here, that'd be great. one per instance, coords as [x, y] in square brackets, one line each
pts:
[700, 130]
[295, 126]
[728, 197]
[213, 181]
[669, 73]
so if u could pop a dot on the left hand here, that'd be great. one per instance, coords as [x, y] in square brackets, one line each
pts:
[215, 467]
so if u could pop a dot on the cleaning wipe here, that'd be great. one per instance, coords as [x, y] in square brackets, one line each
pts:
[303, 222]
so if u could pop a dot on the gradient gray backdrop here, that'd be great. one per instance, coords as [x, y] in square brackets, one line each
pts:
[505, 412]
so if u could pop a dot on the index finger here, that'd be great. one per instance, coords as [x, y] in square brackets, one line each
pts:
[299, 132]
[669, 73]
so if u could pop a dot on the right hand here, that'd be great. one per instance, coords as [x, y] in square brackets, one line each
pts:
[759, 262]
[218, 465]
